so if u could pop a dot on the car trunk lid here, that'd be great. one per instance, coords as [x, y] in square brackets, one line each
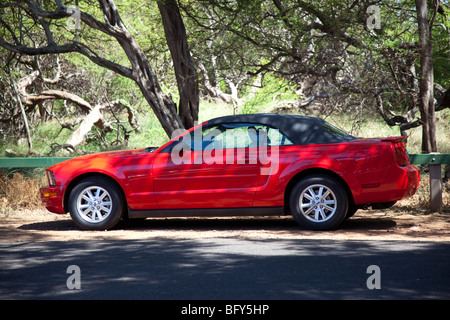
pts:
[399, 147]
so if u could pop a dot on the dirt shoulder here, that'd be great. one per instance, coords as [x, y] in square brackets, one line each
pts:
[393, 224]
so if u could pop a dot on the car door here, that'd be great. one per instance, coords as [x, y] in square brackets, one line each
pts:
[212, 167]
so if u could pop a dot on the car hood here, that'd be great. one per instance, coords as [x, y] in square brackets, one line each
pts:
[102, 157]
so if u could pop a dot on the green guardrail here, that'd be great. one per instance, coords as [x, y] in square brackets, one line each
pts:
[433, 158]
[29, 162]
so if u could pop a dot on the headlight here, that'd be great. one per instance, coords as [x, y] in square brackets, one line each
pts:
[51, 178]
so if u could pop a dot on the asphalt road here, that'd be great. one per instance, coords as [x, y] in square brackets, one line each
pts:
[229, 268]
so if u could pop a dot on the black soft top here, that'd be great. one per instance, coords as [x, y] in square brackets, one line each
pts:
[299, 129]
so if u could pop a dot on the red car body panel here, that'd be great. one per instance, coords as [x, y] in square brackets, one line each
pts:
[368, 168]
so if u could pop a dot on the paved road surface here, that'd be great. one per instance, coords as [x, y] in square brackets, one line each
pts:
[229, 268]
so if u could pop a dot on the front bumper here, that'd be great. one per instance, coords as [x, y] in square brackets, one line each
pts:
[52, 198]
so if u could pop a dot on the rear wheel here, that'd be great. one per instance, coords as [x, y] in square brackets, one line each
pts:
[351, 211]
[96, 204]
[319, 202]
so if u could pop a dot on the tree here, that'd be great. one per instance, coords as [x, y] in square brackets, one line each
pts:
[426, 81]
[185, 71]
[334, 55]
[24, 18]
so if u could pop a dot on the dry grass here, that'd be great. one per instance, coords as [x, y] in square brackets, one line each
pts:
[420, 201]
[19, 192]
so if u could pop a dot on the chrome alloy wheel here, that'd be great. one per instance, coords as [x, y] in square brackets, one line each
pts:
[317, 203]
[94, 204]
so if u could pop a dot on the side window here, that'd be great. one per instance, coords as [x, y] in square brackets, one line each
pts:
[276, 138]
[211, 138]
[225, 136]
[234, 135]
[229, 136]
[242, 136]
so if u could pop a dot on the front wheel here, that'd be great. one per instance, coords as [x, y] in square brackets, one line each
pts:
[96, 204]
[319, 202]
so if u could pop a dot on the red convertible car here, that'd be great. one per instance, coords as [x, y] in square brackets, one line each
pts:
[256, 164]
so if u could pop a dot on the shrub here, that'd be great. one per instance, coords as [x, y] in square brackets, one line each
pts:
[19, 192]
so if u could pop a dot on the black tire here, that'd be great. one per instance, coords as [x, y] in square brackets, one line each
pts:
[319, 202]
[96, 203]
[351, 211]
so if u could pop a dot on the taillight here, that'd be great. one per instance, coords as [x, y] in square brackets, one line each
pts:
[400, 154]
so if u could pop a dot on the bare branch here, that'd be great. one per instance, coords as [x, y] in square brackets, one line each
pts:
[34, 99]
[60, 13]
[57, 75]
[70, 47]
[21, 49]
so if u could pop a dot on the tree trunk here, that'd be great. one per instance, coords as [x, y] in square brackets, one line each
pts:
[426, 96]
[161, 104]
[185, 71]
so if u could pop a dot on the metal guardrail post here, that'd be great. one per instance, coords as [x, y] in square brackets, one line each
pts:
[435, 161]
[436, 187]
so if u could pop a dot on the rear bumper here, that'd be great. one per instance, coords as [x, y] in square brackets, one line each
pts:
[401, 183]
[52, 198]
[413, 181]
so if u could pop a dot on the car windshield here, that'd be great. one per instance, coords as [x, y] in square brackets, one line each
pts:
[150, 149]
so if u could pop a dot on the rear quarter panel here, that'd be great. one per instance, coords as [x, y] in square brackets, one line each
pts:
[361, 164]
[294, 160]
